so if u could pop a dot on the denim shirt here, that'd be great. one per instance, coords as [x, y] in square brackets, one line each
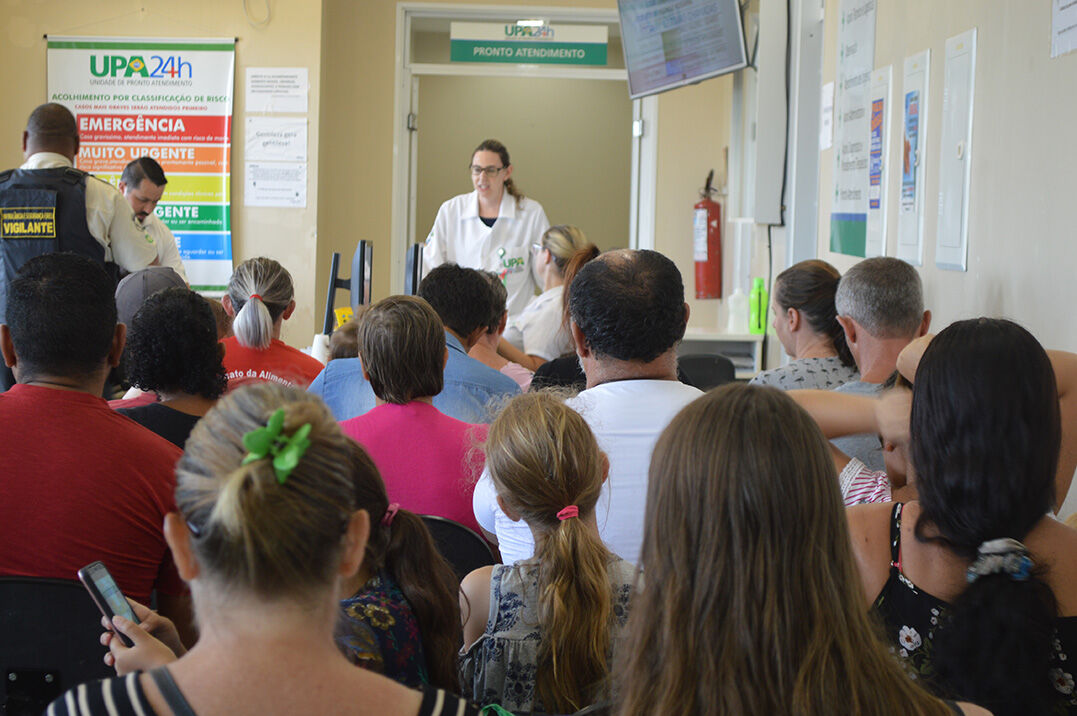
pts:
[471, 393]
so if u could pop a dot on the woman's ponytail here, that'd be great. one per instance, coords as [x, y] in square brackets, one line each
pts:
[431, 588]
[260, 290]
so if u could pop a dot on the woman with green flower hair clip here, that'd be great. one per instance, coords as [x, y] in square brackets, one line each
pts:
[272, 525]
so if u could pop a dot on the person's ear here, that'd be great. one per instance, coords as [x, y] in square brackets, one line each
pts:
[508, 172]
[849, 326]
[75, 153]
[289, 311]
[25, 142]
[925, 324]
[366, 375]
[355, 541]
[7, 346]
[226, 301]
[119, 340]
[504, 322]
[178, 537]
[445, 358]
[605, 465]
[687, 312]
[509, 512]
[792, 318]
[579, 340]
[122, 186]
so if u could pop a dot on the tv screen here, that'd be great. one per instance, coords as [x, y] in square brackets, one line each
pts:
[672, 43]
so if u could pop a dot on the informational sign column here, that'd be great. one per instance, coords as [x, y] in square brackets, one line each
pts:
[856, 59]
[170, 99]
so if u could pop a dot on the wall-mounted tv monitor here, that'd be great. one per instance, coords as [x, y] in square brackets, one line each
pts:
[672, 43]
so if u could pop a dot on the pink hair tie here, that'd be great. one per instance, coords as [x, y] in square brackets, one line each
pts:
[390, 513]
[568, 513]
[254, 296]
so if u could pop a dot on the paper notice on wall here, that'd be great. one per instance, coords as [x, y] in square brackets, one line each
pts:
[276, 139]
[852, 106]
[281, 184]
[277, 89]
[910, 236]
[826, 119]
[1063, 27]
[879, 162]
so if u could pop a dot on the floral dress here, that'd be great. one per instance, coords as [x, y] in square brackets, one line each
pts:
[377, 631]
[911, 617]
[500, 667]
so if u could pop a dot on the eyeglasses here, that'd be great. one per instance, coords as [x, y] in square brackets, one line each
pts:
[535, 248]
[488, 171]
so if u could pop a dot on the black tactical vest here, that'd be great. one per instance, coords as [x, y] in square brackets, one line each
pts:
[42, 211]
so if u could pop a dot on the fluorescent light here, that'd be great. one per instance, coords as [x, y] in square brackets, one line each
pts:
[530, 23]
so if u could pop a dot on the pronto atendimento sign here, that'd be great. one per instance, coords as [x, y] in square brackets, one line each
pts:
[516, 44]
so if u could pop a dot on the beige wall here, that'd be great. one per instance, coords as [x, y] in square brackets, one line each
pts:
[1022, 215]
[693, 132]
[569, 142]
[292, 39]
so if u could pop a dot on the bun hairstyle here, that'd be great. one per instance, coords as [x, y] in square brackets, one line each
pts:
[543, 457]
[492, 145]
[277, 540]
[260, 291]
[251, 532]
[985, 435]
[809, 287]
[750, 601]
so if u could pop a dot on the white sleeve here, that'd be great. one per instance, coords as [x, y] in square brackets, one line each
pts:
[167, 251]
[434, 248]
[112, 222]
[484, 503]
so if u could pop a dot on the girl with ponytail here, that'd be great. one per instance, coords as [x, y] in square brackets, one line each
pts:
[538, 634]
[975, 582]
[260, 298]
[279, 513]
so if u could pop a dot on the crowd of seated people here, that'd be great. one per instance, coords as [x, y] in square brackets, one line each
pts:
[662, 550]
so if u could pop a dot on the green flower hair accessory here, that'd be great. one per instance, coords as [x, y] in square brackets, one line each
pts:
[286, 451]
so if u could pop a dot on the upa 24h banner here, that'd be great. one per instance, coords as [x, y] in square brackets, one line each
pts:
[170, 99]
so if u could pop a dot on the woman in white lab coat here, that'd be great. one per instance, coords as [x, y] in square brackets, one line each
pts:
[492, 228]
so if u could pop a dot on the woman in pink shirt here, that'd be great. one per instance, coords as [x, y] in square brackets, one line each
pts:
[429, 461]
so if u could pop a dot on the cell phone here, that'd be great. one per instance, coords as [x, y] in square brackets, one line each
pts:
[107, 596]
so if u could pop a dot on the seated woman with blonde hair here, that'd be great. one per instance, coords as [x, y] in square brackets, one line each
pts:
[270, 528]
[538, 634]
[750, 602]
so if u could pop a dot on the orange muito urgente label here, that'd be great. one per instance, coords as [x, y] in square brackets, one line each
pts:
[112, 158]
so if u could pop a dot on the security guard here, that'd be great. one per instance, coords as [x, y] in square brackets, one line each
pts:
[47, 205]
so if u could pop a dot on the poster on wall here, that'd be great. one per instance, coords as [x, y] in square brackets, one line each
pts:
[170, 99]
[879, 163]
[910, 238]
[852, 105]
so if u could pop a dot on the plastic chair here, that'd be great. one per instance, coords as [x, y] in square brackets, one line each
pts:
[707, 370]
[49, 643]
[460, 546]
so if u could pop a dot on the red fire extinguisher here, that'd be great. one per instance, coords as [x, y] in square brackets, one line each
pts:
[707, 243]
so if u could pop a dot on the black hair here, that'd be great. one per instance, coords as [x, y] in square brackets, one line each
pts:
[52, 121]
[460, 296]
[809, 287]
[629, 305]
[62, 315]
[173, 345]
[985, 436]
[499, 296]
[143, 168]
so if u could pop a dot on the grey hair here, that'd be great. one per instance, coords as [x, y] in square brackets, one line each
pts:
[884, 295]
[270, 285]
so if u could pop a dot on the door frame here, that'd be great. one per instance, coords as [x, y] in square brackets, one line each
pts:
[405, 98]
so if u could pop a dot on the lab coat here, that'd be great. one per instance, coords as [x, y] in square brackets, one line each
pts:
[459, 236]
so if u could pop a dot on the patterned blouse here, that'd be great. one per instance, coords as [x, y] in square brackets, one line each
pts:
[377, 631]
[499, 668]
[911, 617]
[809, 374]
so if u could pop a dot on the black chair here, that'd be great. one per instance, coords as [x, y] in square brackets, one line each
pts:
[460, 546]
[49, 631]
[707, 370]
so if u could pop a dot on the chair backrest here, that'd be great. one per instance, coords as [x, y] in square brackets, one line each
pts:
[460, 546]
[707, 370]
[49, 630]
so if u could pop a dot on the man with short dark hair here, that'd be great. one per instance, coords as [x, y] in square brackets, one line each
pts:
[628, 315]
[80, 482]
[462, 300]
[47, 205]
[143, 184]
[880, 304]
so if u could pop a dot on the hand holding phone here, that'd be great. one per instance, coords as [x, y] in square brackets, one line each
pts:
[107, 595]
